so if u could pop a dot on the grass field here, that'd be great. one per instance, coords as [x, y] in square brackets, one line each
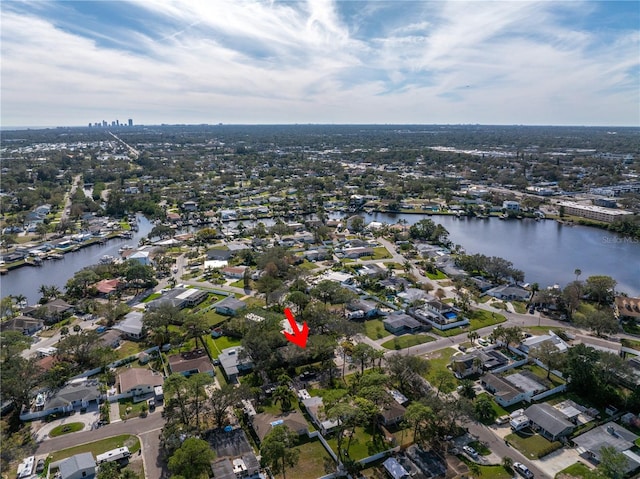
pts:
[380, 252]
[407, 340]
[439, 275]
[100, 447]
[438, 361]
[531, 446]
[66, 429]
[135, 410]
[362, 445]
[217, 345]
[480, 318]
[374, 329]
[129, 348]
[313, 457]
[487, 472]
[576, 470]
[151, 297]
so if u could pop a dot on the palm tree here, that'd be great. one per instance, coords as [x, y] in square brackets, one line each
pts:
[20, 298]
[473, 335]
[577, 272]
[284, 396]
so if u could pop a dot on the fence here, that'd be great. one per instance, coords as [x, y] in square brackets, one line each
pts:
[548, 393]
[324, 443]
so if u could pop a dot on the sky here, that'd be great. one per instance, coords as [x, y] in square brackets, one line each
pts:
[68, 63]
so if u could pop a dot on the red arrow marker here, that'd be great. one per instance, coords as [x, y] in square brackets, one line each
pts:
[299, 337]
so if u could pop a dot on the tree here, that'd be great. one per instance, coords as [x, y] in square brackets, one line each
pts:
[362, 353]
[78, 286]
[160, 318]
[549, 355]
[571, 297]
[577, 272]
[299, 299]
[108, 470]
[12, 343]
[601, 289]
[467, 390]
[284, 396]
[268, 284]
[19, 377]
[483, 408]
[473, 335]
[197, 393]
[222, 399]
[277, 450]
[581, 368]
[6, 307]
[417, 415]
[177, 399]
[507, 463]
[613, 464]
[192, 459]
[600, 322]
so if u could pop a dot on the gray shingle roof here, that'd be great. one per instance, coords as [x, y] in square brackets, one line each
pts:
[548, 418]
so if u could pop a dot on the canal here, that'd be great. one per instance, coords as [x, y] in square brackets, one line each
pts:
[27, 280]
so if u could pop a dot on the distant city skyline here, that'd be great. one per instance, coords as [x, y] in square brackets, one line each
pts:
[323, 62]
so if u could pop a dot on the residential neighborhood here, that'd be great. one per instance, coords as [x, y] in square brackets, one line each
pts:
[166, 351]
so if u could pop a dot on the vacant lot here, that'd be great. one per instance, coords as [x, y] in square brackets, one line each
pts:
[313, 459]
[406, 341]
[374, 329]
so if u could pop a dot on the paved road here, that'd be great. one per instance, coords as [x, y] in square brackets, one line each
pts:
[69, 196]
[147, 429]
[498, 447]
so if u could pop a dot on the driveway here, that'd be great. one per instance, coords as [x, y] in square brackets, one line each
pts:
[88, 418]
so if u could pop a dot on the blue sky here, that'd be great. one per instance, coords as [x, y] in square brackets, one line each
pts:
[191, 61]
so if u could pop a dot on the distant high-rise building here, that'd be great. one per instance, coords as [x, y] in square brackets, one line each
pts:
[130, 122]
[104, 123]
[117, 122]
[113, 123]
[89, 124]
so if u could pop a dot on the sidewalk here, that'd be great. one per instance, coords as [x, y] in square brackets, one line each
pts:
[114, 413]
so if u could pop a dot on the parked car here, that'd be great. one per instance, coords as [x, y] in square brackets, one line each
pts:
[152, 404]
[471, 451]
[40, 466]
[522, 470]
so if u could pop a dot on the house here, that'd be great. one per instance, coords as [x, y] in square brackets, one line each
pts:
[355, 253]
[76, 393]
[234, 362]
[52, 312]
[110, 339]
[392, 412]
[230, 306]
[107, 286]
[477, 361]
[611, 434]
[511, 206]
[141, 257]
[138, 381]
[439, 315]
[314, 405]
[235, 272]
[529, 344]
[510, 292]
[294, 420]
[503, 392]
[369, 308]
[626, 308]
[394, 469]
[373, 271]
[131, 326]
[24, 324]
[401, 323]
[180, 298]
[245, 467]
[191, 362]
[80, 466]
[548, 421]
[219, 254]
[190, 206]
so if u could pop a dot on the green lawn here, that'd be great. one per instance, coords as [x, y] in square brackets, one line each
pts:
[480, 447]
[447, 333]
[362, 445]
[407, 340]
[100, 447]
[576, 470]
[380, 252]
[217, 345]
[530, 445]
[151, 297]
[128, 409]
[66, 429]
[238, 284]
[129, 348]
[631, 327]
[438, 275]
[480, 318]
[313, 457]
[499, 410]
[438, 360]
[329, 395]
[630, 343]
[542, 373]
[519, 306]
[374, 329]
[212, 318]
[488, 472]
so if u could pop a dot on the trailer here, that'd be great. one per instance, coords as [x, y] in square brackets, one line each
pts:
[113, 455]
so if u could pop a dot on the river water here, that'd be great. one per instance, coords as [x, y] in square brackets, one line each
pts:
[27, 280]
[546, 251]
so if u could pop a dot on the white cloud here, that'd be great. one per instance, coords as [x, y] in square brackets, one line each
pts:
[255, 62]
